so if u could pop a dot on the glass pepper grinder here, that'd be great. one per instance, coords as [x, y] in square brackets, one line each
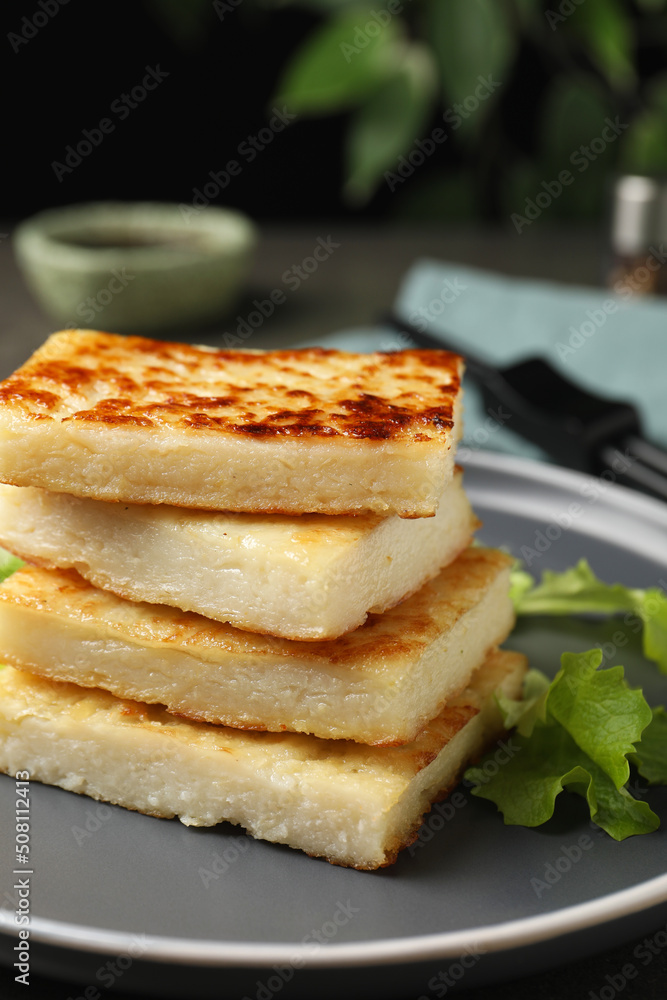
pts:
[638, 237]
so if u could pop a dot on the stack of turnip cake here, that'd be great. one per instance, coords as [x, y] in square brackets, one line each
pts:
[250, 592]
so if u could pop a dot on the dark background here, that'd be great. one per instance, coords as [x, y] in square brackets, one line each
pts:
[218, 91]
[224, 67]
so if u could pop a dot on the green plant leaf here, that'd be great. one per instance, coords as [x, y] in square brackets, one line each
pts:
[389, 122]
[645, 144]
[342, 62]
[580, 740]
[574, 111]
[576, 116]
[607, 33]
[475, 44]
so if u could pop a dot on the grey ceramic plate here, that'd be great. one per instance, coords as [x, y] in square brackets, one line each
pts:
[122, 899]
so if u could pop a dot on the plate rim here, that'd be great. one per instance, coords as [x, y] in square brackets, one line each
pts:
[499, 937]
[488, 938]
[618, 497]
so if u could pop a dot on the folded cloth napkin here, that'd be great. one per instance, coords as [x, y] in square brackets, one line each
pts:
[612, 344]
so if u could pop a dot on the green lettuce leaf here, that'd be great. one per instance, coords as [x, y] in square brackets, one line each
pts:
[574, 733]
[8, 564]
[523, 713]
[599, 711]
[577, 591]
[651, 756]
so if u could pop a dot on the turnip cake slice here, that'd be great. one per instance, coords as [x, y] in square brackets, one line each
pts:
[354, 805]
[379, 684]
[308, 577]
[293, 431]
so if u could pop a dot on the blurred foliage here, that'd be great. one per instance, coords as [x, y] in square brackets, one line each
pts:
[518, 91]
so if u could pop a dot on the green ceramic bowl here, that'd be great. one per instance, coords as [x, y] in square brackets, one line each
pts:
[137, 267]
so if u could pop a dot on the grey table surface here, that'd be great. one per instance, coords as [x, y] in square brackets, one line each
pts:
[352, 288]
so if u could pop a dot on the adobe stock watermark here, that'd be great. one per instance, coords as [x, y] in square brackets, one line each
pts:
[640, 278]
[566, 8]
[247, 151]
[23, 872]
[32, 24]
[120, 109]
[220, 863]
[113, 969]
[446, 979]
[292, 279]
[554, 870]
[314, 940]
[444, 812]
[423, 316]
[223, 7]
[90, 307]
[645, 952]
[480, 437]
[441, 814]
[581, 159]
[591, 491]
[364, 33]
[93, 822]
[580, 335]
[454, 117]
[609, 649]
[400, 341]
[631, 624]
[493, 762]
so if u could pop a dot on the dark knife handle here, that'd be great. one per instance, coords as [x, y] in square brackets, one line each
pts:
[572, 425]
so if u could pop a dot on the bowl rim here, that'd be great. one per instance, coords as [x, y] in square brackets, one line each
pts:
[39, 239]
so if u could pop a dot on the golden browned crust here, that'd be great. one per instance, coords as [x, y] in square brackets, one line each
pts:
[401, 631]
[105, 380]
[25, 695]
